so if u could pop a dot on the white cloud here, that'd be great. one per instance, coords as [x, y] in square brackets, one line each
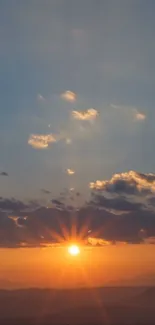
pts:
[39, 141]
[88, 115]
[69, 96]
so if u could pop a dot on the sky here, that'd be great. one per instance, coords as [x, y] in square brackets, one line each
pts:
[103, 52]
[77, 112]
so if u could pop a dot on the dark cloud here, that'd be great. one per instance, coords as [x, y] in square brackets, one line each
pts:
[45, 191]
[130, 183]
[108, 217]
[50, 226]
[15, 205]
[4, 174]
[117, 203]
[57, 202]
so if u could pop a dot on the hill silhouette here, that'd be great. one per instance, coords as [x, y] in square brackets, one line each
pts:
[115, 305]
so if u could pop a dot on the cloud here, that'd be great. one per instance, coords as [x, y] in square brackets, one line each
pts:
[70, 171]
[19, 221]
[40, 141]
[53, 226]
[150, 240]
[118, 212]
[4, 174]
[69, 96]
[130, 183]
[88, 115]
[68, 141]
[12, 204]
[139, 116]
[116, 203]
[40, 98]
[98, 241]
[44, 191]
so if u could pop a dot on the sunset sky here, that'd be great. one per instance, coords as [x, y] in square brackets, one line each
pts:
[77, 139]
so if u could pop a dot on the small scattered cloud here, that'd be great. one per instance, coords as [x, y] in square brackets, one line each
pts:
[70, 171]
[68, 141]
[69, 96]
[130, 183]
[139, 116]
[44, 191]
[40, 141]
[4, 174]
[87, 115]
[98, 241]
[40, 98]
[19, 221]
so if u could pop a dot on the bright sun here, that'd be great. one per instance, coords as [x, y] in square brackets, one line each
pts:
[73, 250]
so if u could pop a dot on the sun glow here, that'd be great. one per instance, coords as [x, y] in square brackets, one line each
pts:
[73, 250]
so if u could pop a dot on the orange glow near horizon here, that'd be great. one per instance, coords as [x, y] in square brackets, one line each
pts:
[55, 267]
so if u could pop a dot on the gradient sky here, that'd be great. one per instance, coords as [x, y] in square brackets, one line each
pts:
[77, 112]
[103, 51]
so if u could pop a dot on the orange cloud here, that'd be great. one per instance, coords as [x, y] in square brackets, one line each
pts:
[88, 115]
[98, 241]
[70, 171]
[140, 116]
[69, 96]
[39, 141]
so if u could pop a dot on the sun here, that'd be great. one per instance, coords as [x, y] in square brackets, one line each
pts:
[73, 250]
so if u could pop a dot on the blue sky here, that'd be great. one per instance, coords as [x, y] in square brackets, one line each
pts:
[103, 52]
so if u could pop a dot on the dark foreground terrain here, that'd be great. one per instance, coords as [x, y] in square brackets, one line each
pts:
[82, 306]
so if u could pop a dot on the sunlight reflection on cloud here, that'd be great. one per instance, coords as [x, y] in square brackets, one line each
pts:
[69, 96]
[39, 141]
[88, 115]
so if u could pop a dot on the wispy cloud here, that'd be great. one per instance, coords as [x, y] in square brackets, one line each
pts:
[69, 96]
[44, 191]
[139, 116]
[70, 171]
[40, 141]
[150, 240]
[68, 140]
[135, 113]
[87, 115]
[40, 98]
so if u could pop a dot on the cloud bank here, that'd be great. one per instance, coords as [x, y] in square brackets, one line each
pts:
[120, 210]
